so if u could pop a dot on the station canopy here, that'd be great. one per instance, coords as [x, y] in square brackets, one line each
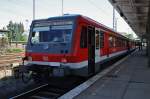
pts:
[135, 13]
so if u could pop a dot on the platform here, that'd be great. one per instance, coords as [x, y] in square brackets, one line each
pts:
[130, 80]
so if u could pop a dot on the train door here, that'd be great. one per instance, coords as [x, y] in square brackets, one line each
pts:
[97, 50]
[91, 50]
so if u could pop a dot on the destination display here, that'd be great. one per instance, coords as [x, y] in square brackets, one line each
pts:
[56, 22]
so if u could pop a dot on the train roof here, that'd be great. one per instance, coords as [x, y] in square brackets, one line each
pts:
[66, 16]
[74, 16]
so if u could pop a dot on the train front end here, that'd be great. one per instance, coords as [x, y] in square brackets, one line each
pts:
[50, 46]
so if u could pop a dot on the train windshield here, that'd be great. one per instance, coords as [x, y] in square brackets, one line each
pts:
[51, 33]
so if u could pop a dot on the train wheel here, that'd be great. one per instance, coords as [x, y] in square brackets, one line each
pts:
[26, 76]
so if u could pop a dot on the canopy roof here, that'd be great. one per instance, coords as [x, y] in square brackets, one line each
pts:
[135, 13]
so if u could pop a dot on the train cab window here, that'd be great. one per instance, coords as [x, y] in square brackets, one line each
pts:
[97, 39]
[55, 34]
[35, 37]
[101, 39]
[83, 39]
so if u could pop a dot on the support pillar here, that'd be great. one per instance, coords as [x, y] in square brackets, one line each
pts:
[147, 48]
[148, 51]
[148, 36]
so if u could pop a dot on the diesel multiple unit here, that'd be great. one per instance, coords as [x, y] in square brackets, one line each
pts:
[72, 45]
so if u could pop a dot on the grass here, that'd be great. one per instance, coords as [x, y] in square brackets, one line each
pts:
[14, 50]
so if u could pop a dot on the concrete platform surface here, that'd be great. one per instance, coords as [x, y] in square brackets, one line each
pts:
[130, 80]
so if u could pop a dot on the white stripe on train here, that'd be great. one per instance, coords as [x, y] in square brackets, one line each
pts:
[75, 65]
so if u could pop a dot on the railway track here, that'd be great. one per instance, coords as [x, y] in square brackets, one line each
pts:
[12, 55]
[45, 91]
[4, 57]
[52, 90]
[10, 58]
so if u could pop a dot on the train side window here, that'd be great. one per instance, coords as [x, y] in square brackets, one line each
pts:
[114, 41]
[83, 39]
[97, 39]
[101, 39]
[117, 42]
[110, 41]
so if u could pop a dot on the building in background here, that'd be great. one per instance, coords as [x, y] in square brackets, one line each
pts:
[3, 33]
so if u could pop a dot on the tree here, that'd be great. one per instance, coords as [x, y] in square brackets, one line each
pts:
[16, 31]
[130, 36]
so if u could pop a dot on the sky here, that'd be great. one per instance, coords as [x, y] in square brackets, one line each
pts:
[21, 11]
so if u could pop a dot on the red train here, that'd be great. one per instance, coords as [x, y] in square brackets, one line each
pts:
[72, 45]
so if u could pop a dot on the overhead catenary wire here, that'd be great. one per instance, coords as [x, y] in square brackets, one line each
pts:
[100, 9]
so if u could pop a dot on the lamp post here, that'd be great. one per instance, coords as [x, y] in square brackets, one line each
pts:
[33, 9]
[116, 23]
[114, 18]
[62, 9]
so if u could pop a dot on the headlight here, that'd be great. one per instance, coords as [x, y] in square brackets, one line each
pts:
[64, 60]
